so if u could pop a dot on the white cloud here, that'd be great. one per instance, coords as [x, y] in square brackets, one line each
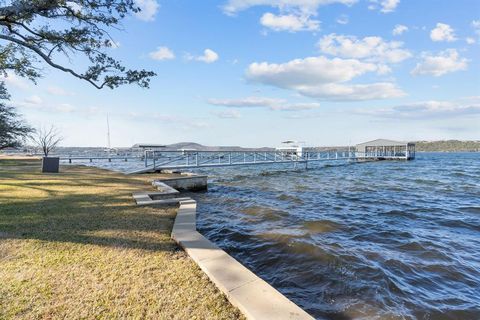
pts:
[289, 22]
[399, 29]
[148, 9]
[442, 32]
[11, 79]
[305, 6]
[36, 103]
[57, 91]
[429, 109]
[162, 53]
[245, 102]
[470, 40]
[309, 71]
[33, 100]
[228, 114]
[342, 19]
[296, 106]
[437, 65]
[294, 15]
[323, 78]
[354, 92]
[389, 5]
[385, 6]
[371, 48]
[209, 56]
[264, 102]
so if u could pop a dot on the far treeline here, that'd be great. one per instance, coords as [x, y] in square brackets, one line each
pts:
[448, 146]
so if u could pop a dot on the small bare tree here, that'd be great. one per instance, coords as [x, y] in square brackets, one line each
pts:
[47, 139]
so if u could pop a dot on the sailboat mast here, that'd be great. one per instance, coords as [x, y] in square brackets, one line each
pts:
[108, 134]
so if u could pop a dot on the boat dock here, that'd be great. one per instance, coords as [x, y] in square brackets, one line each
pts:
[156, 160]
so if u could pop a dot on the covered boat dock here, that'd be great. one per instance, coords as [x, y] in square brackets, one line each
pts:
[383, 149]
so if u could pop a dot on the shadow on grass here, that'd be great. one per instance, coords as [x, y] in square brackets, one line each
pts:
[101, 220]
[81, 205]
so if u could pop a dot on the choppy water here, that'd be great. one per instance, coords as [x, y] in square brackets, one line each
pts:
[380, 240]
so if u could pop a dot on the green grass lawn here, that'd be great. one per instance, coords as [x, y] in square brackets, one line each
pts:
[75, 245]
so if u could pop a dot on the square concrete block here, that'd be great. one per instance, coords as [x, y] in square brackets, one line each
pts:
[186, 216]
[259, 300]
[198, 247]
[187, 227]
[226, 272]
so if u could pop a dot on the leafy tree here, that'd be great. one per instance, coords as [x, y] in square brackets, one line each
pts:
[35, 32]
[47, 31]
[13, 130]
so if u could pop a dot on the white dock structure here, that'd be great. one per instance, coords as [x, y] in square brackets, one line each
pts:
[156, 158]
[168, 160]
[383, 149]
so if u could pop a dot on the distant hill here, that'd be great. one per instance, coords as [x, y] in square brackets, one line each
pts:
[200, 147]
[448, 146]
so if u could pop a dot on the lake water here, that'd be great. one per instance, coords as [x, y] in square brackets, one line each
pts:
[377, 240]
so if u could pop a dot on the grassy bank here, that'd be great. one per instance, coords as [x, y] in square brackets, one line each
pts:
[74, 245]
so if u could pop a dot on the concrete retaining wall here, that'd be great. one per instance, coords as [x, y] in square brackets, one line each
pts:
[255, 298]
[189, 183]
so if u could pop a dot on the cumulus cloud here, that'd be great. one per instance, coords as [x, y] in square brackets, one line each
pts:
[385, 6]
[148, 9]
[306, 6]
[264, 102]
[429, 109]
[293, 16]
[372, 48]
[437, 65]
[442, 32]
[323, 78]
[162, 53]
[399, 29]
[289, 22]
[209, 56]
[470, 40]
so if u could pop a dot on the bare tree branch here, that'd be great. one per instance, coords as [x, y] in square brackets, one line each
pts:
[47, 139]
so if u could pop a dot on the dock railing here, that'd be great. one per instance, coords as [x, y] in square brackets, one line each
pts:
[155, 160]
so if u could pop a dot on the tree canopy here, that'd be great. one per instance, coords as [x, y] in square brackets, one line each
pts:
[38, 32]
[13, 130]
[47, 31]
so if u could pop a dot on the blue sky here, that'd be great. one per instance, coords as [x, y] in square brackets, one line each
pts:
[256, 72]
